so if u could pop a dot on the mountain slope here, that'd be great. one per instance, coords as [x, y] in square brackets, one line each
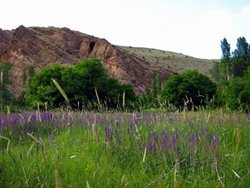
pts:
[172, 61]
[41, 47]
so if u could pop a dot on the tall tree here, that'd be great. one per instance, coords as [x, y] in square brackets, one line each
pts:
[225, 47]
[242, 47]
[222, 71]
[241, 58]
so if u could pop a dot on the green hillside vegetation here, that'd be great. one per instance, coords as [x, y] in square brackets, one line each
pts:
[174, 62]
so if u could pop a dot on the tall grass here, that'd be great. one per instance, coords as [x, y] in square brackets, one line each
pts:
[151, 149]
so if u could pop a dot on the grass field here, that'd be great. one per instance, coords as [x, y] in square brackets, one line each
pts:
[175, 62]
[150, 149]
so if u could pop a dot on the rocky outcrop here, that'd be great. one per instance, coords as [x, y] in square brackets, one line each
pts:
[41, 47]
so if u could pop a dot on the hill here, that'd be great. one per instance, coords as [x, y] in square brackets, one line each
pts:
[175, 62]
[39, 46]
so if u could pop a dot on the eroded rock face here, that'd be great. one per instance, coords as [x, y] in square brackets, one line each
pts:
[41, 47]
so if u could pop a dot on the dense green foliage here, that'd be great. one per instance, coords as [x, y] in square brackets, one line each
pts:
[84, 84]
[151, 98]
[232, 76]
[5, 95]
[190, 89]
[236, 94]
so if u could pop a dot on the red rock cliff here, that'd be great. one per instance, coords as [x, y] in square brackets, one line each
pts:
[44, 46]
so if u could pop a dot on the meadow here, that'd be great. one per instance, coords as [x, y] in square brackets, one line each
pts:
[118, 149]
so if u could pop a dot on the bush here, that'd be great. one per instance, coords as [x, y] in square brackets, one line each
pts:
[237, 93]
[80, 83]
[190, 88]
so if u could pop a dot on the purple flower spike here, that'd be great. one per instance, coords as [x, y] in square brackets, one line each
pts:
[203, 131]
[164, 140]
[118, 124]
[214, 141]
[173, 141]
[153, 142]
[108, 133]
[194, 139]
[118, 138]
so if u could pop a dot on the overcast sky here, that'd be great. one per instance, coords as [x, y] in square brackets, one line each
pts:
[192, 27]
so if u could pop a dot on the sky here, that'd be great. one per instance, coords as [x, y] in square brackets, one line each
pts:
[191, 27]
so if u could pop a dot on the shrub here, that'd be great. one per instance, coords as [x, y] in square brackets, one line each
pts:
[237, 93]
[190, 88]
[80, 83]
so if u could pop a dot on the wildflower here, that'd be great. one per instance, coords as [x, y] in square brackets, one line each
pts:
[214, 141]
[164, 140]
[108, 133]
[153, 142]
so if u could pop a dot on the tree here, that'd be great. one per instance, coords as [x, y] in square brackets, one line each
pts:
[190, 88]
[80, 83]
[237, 93]
[111, 94]
[242, 47]
[5, 80]
[92, 76]
[41, 88]
[232, 66]
[222, 71]
[239, 65]
[225, 47]
[241, 58]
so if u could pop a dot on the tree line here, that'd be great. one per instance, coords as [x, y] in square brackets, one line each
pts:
[232, 75]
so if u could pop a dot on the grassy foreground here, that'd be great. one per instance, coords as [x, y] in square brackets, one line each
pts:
[73, 149]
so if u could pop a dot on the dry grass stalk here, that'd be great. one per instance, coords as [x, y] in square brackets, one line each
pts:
[61, 90]
[98, 99]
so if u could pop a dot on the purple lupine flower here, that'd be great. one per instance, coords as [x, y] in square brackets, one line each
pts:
[108, 133]
[46, 116]
[214, 141]
[32, 118]
[164, 140]
[118, 138]
[194, 139]
[118, 124]
[203, 131]
[173, 141]
[153, 142]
